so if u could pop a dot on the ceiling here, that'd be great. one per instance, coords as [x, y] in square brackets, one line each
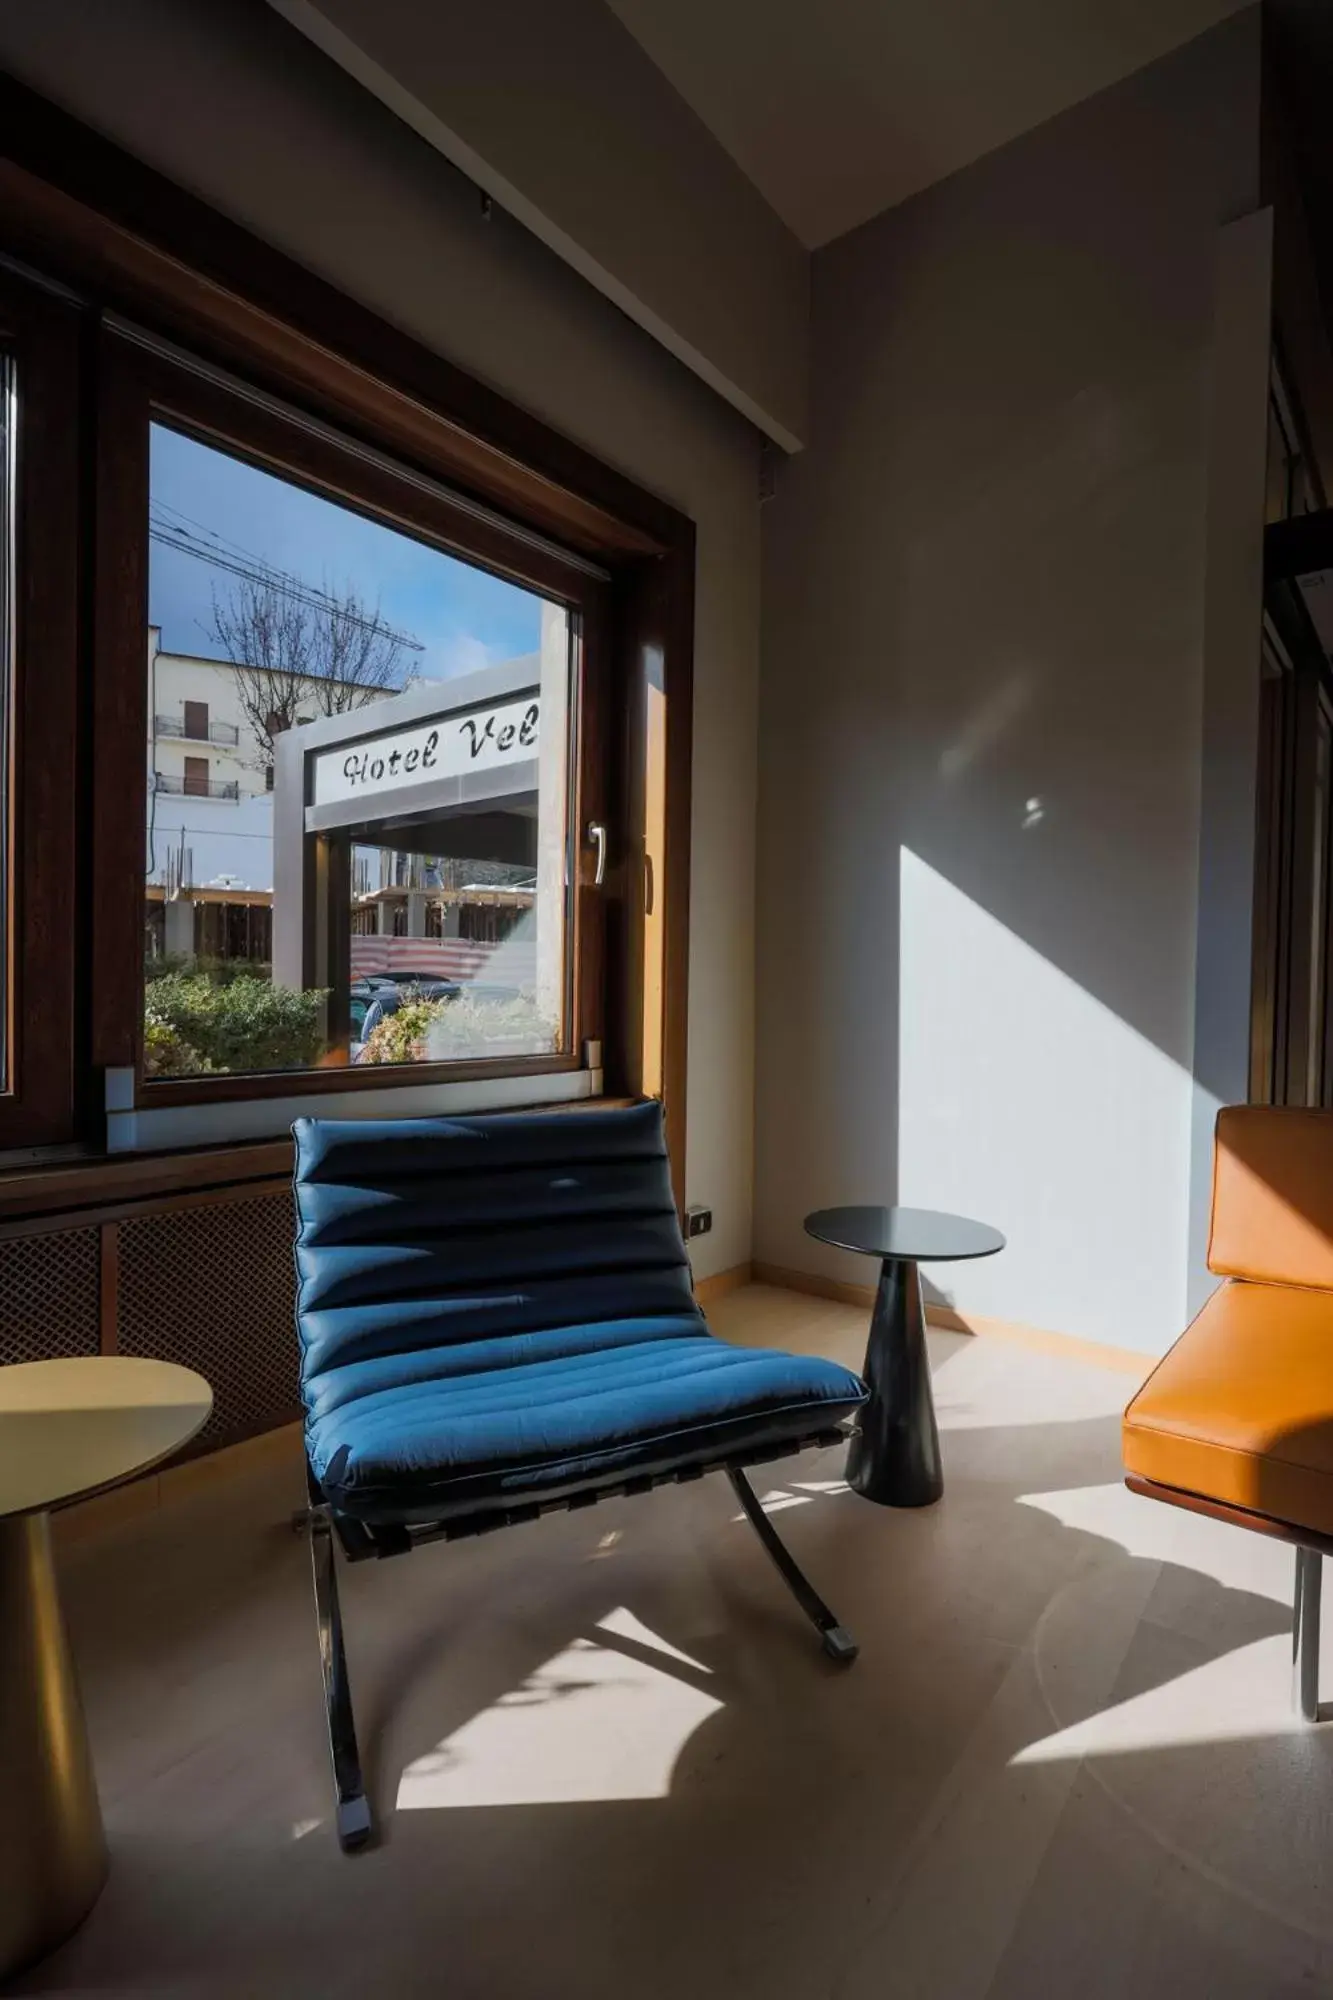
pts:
[836, 109]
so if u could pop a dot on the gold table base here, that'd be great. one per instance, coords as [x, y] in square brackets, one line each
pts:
[53, 1857]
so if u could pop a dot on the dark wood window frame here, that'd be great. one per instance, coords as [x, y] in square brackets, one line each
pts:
[41, 856]
[1291, 1043]
[125, 243]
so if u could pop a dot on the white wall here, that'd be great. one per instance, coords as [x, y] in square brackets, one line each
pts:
[984, 702]
[560, 115]
[235, 105]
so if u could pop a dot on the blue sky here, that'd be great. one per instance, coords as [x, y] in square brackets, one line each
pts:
[463, 617]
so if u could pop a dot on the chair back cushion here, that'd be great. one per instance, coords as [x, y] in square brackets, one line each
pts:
[420, 1233]
[1273, 1196]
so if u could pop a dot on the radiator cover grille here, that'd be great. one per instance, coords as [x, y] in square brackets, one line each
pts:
[49, 1296]
[213, 1286]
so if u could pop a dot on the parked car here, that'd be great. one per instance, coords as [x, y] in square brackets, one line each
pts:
[362, 992]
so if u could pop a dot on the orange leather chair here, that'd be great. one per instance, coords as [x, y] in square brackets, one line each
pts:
[1237, 1420]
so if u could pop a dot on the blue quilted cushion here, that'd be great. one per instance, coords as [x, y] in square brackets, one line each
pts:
[499, 1309]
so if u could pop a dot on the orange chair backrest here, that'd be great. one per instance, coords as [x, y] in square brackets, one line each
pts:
[1273, 1196]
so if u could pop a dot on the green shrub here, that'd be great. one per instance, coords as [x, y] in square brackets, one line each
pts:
[165, 1054]
[218, 971]
[403, 1037]
[453, 1030]
[472, 1022]
[246, 1024]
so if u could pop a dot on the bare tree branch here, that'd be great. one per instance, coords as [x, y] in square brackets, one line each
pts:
[293, 657]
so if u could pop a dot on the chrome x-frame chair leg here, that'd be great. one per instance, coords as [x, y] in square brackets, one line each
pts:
[354, 1821]
[838, 1641]
[1305, 1633]
[353, 1809]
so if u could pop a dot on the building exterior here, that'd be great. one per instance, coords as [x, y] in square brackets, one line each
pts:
[209, 815]
[209, 860]
[210, 868]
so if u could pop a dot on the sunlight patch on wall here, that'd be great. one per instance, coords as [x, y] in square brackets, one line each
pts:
[1026, 1102]
[592, 1723]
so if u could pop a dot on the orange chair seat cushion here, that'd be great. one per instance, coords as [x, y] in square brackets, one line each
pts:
[1241, 1409]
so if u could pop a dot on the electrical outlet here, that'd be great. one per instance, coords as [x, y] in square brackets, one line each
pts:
[698, 1221]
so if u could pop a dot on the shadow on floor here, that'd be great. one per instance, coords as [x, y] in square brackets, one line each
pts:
[622, 1759]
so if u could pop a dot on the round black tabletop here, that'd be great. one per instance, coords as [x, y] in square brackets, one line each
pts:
[914, 1235]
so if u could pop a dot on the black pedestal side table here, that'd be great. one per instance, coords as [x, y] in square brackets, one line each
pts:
[894, 1458]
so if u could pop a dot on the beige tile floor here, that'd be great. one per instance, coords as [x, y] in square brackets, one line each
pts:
[609, 1758]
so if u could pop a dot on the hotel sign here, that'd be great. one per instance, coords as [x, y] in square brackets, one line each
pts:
[445, 746]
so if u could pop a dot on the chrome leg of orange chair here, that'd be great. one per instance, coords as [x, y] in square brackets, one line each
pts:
[1305, 1633]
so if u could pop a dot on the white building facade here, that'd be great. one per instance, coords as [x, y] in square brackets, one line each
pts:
[210, 808]
[210, 854]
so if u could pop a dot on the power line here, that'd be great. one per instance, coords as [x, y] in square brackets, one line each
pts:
[185, 524]
[254, 570]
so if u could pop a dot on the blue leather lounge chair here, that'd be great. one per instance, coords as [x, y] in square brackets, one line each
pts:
[496, 1319]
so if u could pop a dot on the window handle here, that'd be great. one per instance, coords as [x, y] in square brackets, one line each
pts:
[597, 839]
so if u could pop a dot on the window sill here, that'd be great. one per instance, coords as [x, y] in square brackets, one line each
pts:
[132, 1128]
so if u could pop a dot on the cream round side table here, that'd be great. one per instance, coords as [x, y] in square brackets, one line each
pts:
[67, 1429]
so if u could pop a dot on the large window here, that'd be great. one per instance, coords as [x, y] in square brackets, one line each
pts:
[358, 777]
[374, 756]
[344, 707]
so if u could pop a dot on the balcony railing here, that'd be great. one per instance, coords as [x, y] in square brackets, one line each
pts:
[178, 726]
[197, 788]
